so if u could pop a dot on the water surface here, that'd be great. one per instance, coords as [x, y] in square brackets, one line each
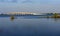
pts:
[29, 26]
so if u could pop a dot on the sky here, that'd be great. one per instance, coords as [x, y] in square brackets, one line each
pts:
[38, 6]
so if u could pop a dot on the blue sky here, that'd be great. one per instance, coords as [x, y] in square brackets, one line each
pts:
[38, 6]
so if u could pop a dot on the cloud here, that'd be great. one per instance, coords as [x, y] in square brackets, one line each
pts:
[27, 1]
[13, 0]
[8, 0]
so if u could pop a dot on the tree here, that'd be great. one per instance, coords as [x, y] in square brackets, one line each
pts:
[55, 15]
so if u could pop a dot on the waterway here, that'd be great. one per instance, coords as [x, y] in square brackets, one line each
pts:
[29, 26]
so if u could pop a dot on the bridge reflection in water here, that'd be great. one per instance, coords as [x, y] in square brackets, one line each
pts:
[31, 17]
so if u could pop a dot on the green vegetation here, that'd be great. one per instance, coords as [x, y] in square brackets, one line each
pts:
[56, 16]
[12, 17]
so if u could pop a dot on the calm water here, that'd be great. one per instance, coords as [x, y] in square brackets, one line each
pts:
[29, 26]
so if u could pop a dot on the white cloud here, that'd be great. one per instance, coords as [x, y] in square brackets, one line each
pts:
[27, 1]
